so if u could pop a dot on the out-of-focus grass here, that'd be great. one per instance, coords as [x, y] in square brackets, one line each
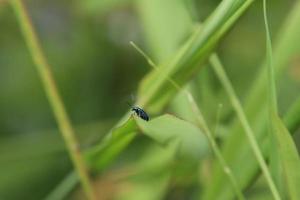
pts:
[88, 44]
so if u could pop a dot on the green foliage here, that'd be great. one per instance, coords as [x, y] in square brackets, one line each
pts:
[100, 156]
[283, 151]
[240, 151]
[289, 157]
[164, 129]
[235, 148]
[155, 90]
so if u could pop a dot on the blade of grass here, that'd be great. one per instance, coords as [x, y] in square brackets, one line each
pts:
[61, 191]
[53, 96]
[292, 118]
[272, 102]
[152, 171]
[100, 157]
[235, 148]
[283, 149]
[289, 158]
[272, 105]
[202, 125]
[155, 90]
[218, 68]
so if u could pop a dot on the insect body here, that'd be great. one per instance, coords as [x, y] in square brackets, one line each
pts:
[140, 112]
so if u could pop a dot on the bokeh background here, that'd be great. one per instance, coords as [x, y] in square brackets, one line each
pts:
[97, 71]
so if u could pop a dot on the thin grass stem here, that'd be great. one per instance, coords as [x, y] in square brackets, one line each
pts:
[271, 74]
[44, 71]
[219, 70]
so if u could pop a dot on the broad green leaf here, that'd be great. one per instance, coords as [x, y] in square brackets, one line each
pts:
[100, 156]
[152, 174]
[289, 157]
[164, 129]
[181, 106]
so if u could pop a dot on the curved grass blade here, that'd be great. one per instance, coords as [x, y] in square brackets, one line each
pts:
[217, 66]
[275, 167]
[292, 118]
[166, 128]
[235, 148]
[101, 156]
[283, 151]
[50, 88]
[289, 158]
[155, 90]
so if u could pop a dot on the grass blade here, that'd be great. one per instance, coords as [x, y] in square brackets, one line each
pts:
[289, 158]
[272, 105]
[167, 128]
[155, 90]
[218, 68]
[283, 150]
[101, 156]
[292, 118]
[53, 96]
[235, 147]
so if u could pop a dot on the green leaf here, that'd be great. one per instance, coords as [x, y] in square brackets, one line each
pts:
[248, 131]
[289, 157]
[101, 156]
[152, 173]
[155, 90]
[164, 129]
[274, 160]
[62, 190]
[292, 118]
[235, 148]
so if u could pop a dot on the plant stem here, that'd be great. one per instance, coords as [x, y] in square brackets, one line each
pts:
[218, 68]
[53, 96]
[271, 80]
[214, 146]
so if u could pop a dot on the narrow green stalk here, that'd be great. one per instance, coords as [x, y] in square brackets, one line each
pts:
[53, 96]
[202, 125]
[274, 159]
[218, 68]
[214, 146]
[271, 80]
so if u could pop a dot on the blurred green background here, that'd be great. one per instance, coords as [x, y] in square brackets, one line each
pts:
[97, 71]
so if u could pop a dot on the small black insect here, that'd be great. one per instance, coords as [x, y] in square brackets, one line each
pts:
[140, 112]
